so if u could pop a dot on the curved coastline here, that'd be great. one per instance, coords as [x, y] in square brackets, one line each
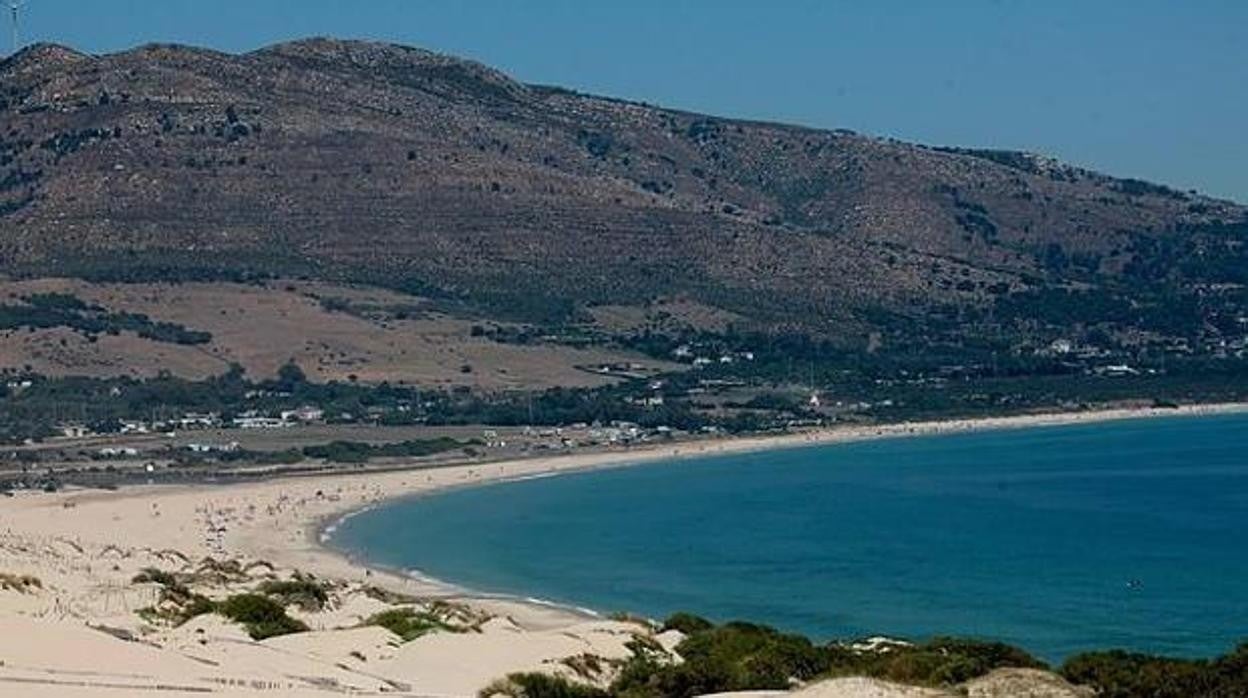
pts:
[320, 530]
[321, 533]
[84, 545]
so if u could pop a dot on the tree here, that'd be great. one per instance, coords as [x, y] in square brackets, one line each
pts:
[290, 377]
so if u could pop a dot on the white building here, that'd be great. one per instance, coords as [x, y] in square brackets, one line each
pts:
[75, 431]
[307, 413]
[118, 451]
[260, 423]
[213, 448]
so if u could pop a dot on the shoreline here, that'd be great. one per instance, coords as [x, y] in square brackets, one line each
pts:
[319, 531]
[88, 614]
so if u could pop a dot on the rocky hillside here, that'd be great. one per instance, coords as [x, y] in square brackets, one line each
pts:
[398, 167]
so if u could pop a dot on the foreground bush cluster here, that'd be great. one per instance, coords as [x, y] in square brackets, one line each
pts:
[743, 656]
[409, 623]
[735, 656]
[262, 614]
[1118, 674]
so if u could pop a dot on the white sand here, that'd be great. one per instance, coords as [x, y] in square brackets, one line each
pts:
[86, 546]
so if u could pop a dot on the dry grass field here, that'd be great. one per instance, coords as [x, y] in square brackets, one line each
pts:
[262, 327]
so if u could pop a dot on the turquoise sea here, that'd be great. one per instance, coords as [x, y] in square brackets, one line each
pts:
[1129, 534]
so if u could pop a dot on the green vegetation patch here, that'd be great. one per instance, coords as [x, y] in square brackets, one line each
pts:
[943, 661]
[307, 594]
[1119, 674]
[744, 656]
[49, 310]
[360, 452]
[413, 621]
[260, 615]
[178, 603]
[729, 657]
[409, 623]
[536, 685]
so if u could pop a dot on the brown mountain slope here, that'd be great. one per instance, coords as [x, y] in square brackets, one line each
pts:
[392, 165]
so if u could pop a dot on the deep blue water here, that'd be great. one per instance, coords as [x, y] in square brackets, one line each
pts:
[1032, 536]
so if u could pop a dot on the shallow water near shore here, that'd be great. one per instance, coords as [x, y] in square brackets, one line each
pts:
[1058, 539]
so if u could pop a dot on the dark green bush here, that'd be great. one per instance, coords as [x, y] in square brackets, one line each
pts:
[731, 657]
[744, 656]
[408, 623]
[942, 661]
[196, 605]
[687, 623]
[261, 616]
[1119, 674]
[360, 452]
[46, 310]
[535, 685]
[307, 594]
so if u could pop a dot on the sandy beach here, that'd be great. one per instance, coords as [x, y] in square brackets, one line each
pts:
[69, 605]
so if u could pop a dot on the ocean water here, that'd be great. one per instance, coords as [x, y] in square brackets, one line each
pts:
[1129, 534]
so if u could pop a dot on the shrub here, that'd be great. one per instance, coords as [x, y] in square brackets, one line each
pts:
[942, 661]
[153, 575]
[730, 657]
[307, 594]
[1119, 674]
[196, 605]
[744, 657]
[687, 623]
[181, 604]
[585, 665]
[173, 589]
[261, 616]
[535, 685]
[408, 623]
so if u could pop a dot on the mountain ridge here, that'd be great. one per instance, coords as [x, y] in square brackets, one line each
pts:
[397, 166]
[326, 48]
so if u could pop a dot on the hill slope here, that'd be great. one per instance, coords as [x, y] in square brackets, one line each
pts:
[398, 167]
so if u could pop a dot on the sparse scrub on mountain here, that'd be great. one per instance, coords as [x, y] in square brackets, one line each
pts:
[50, 310]
[538, 190]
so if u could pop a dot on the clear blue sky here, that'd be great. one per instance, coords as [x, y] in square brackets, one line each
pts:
[1142, 88]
